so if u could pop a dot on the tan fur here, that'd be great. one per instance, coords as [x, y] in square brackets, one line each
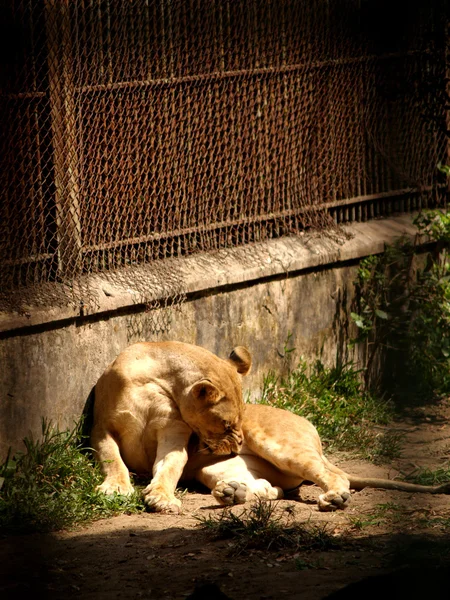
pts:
[155, 395]
[280, 451]
[148, 403]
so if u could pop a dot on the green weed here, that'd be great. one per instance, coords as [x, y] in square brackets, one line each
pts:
[425, 476]
[260, 527]
[303, 565]
[392, 513]
[334, 400]
[384, 447]
[434, 522]
[381, 514]
[52, 484]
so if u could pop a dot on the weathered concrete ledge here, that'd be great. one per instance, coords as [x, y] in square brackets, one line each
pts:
[202, 272]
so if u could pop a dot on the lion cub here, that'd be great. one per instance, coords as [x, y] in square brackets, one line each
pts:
[148, 403]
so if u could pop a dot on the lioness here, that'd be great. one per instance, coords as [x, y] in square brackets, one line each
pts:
[148, 403]
[152, 399]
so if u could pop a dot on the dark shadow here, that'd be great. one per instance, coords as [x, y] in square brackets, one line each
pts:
[341, 327]
[87, 420]
[151, 560]
[407, 582]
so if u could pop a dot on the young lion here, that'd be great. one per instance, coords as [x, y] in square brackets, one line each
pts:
[148, 403]
[280, 451]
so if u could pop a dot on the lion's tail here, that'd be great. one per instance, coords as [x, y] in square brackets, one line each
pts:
[359, 483]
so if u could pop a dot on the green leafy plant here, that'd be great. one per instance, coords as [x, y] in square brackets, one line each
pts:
[261, 527]
[51, 486]
[334, 400]
[402, 312]
[425, 476]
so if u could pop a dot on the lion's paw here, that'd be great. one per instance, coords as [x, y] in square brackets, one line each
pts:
[160, 501]
[334, 500]
[114, 487]
[230, 492]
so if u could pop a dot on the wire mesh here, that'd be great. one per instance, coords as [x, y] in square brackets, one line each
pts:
[136, 132]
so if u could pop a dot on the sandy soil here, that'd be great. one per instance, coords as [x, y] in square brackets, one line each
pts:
[167, 556]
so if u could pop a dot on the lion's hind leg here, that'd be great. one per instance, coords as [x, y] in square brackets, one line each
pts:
[237, 480]
[312, 466]
[334, 482]
[336, 486]
[292, 445]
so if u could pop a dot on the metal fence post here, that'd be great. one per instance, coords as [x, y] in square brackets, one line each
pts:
[64, 137]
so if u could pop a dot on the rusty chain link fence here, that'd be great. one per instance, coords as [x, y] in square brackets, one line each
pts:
[137, 132]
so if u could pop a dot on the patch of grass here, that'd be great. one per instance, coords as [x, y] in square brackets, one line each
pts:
[384, 447]
[51, 486]
[403, 517]
[303, 565]
[260, 527]
[434, 522]
[381, 514]
[335, 401]
[425, 476]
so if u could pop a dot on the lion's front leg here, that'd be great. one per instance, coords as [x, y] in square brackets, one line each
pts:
[107, 454]
[171, 457]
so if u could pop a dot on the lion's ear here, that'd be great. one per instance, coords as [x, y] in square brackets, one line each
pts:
[241, 359]
[205, 392]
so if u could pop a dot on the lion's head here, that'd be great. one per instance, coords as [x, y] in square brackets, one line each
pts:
[215, 406]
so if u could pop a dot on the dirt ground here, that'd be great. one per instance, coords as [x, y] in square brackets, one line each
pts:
[167, 556]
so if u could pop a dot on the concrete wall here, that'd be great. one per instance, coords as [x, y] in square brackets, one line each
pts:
[300, 288]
